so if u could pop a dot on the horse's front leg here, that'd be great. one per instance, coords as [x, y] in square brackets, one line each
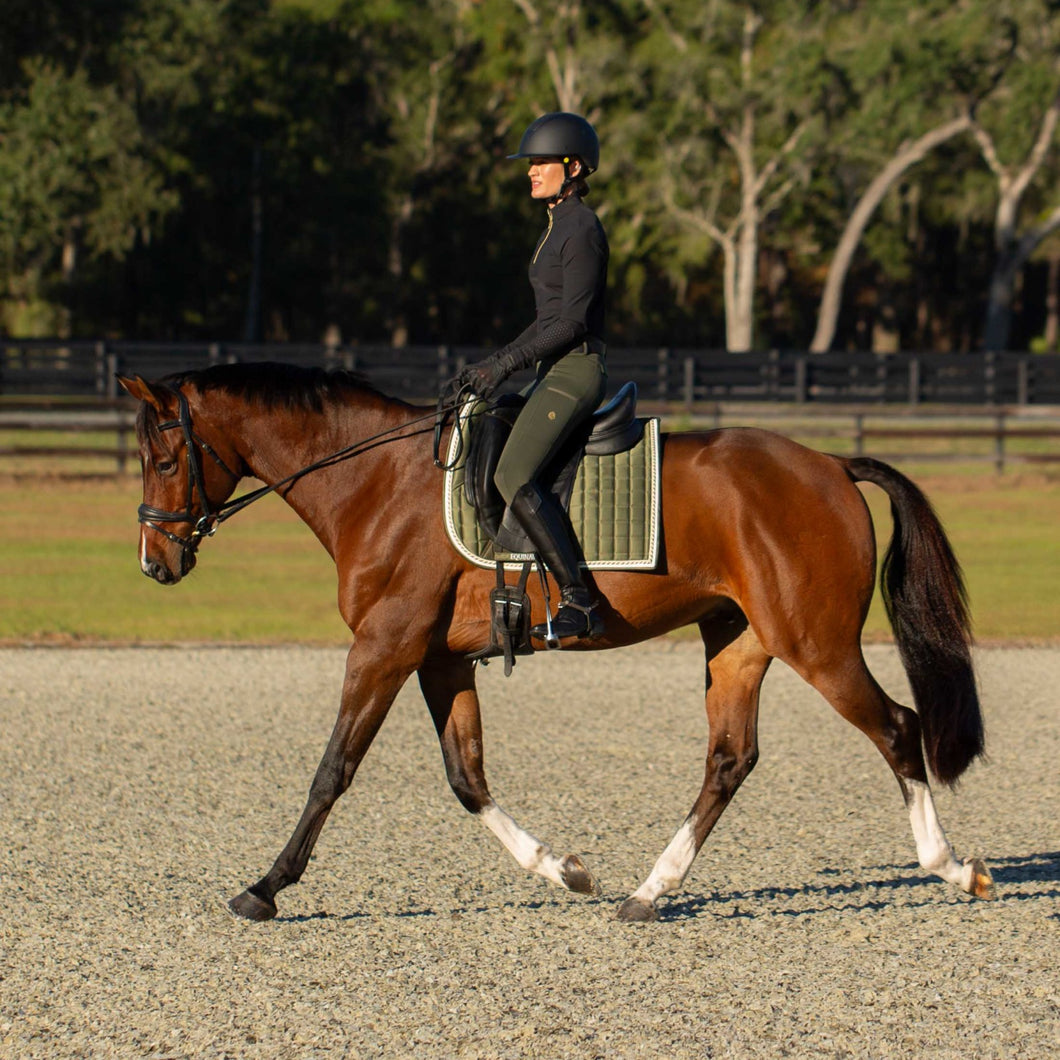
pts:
[448, 686]
[368, 692]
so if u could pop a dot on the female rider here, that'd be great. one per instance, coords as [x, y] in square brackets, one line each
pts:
[568, 274]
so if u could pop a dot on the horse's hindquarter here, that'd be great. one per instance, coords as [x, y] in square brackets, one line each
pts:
[775, 526]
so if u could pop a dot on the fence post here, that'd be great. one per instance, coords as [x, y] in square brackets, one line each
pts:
[112, 375]
[859, 434]
[801, 370]
[773, 375]
[123, 445]
[914, 380]
[445, 373]
[662, 374]
[100, 350]
[690, 383]
[999, 443]
[1023, 388]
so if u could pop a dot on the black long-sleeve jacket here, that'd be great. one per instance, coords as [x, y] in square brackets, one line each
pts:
[568, 274]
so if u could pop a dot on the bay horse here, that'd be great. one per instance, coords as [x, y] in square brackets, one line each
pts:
[768, 547]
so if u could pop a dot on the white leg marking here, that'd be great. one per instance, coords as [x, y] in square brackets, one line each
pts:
[933, 849]
[530, 852]
[671, 868]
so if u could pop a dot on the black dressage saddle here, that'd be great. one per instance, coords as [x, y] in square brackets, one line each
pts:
[613, 428]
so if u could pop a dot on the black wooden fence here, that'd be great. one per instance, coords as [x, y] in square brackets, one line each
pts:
[674, 377]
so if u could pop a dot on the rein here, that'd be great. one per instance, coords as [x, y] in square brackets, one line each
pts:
[206, 525]
[452, 399]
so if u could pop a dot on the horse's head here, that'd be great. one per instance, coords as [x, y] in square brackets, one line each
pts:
[183, 491]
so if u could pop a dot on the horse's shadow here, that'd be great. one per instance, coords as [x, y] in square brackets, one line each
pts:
[452, 913]
[825, 896]
[1014, 870]
[1028, 868]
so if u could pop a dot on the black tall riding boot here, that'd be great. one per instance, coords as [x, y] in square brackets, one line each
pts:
[543, 522]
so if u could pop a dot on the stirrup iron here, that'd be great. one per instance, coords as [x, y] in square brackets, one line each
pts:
[551, 640]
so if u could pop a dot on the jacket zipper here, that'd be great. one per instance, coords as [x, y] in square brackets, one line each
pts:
[544, 238]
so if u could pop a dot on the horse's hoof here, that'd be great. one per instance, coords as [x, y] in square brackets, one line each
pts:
[576, 877]
[251, 907]
[981, 884]
[637, 911]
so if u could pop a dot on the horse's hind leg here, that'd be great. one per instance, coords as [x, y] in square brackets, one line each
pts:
[851, 689]
[449, 688]
[734, 680]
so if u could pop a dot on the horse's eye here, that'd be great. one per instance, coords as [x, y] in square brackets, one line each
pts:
[165, 467]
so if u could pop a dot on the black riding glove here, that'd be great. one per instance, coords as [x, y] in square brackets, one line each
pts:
[484, 377]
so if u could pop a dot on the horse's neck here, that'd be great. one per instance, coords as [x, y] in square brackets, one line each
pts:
[364, 430]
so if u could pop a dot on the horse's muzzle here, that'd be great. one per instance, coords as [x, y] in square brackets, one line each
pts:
[169, 574]
[161, 573]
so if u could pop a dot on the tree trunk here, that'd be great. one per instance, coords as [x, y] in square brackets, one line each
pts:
[908, 155]
[739, 312]
[999, 304]
[1013, 251]
[399, 325]
[1052, 304]
[252, 320]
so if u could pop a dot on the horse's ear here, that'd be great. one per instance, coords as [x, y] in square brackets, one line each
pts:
[142, 390]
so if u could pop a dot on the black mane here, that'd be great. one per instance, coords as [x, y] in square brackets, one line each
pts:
[274, 384]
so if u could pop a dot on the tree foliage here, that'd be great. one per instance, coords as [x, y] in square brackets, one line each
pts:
[773, 173]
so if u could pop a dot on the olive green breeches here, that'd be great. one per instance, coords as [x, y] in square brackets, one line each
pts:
[561, 398]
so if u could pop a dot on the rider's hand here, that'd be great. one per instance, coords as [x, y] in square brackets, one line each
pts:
[487, 375]
[482, 378]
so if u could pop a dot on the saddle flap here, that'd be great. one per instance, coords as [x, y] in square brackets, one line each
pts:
[488, 428]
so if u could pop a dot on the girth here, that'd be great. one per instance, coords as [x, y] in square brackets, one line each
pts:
[613, 428]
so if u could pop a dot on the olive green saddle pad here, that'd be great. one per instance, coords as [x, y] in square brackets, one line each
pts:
[614, 508]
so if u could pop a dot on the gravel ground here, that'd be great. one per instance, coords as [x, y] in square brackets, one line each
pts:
[141, 788]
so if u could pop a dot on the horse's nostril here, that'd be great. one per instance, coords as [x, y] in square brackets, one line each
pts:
[159, 573]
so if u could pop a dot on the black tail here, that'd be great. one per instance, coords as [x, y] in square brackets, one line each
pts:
[923, 591]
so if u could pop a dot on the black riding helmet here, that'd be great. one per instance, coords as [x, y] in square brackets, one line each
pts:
[561, 135]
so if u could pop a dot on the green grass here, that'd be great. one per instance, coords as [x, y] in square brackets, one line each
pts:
[1004, 530]
[69, 570]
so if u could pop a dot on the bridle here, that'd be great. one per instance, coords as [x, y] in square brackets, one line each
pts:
[206, 524]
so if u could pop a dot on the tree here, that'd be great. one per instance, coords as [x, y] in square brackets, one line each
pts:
[1016, 134]
[741, 94]
[917, 71]
[263, 115]
[74, 173]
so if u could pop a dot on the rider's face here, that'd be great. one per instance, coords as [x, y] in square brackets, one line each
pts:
[546, 176]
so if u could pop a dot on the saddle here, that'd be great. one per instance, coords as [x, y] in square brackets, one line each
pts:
[606, 477]
[613, 428]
